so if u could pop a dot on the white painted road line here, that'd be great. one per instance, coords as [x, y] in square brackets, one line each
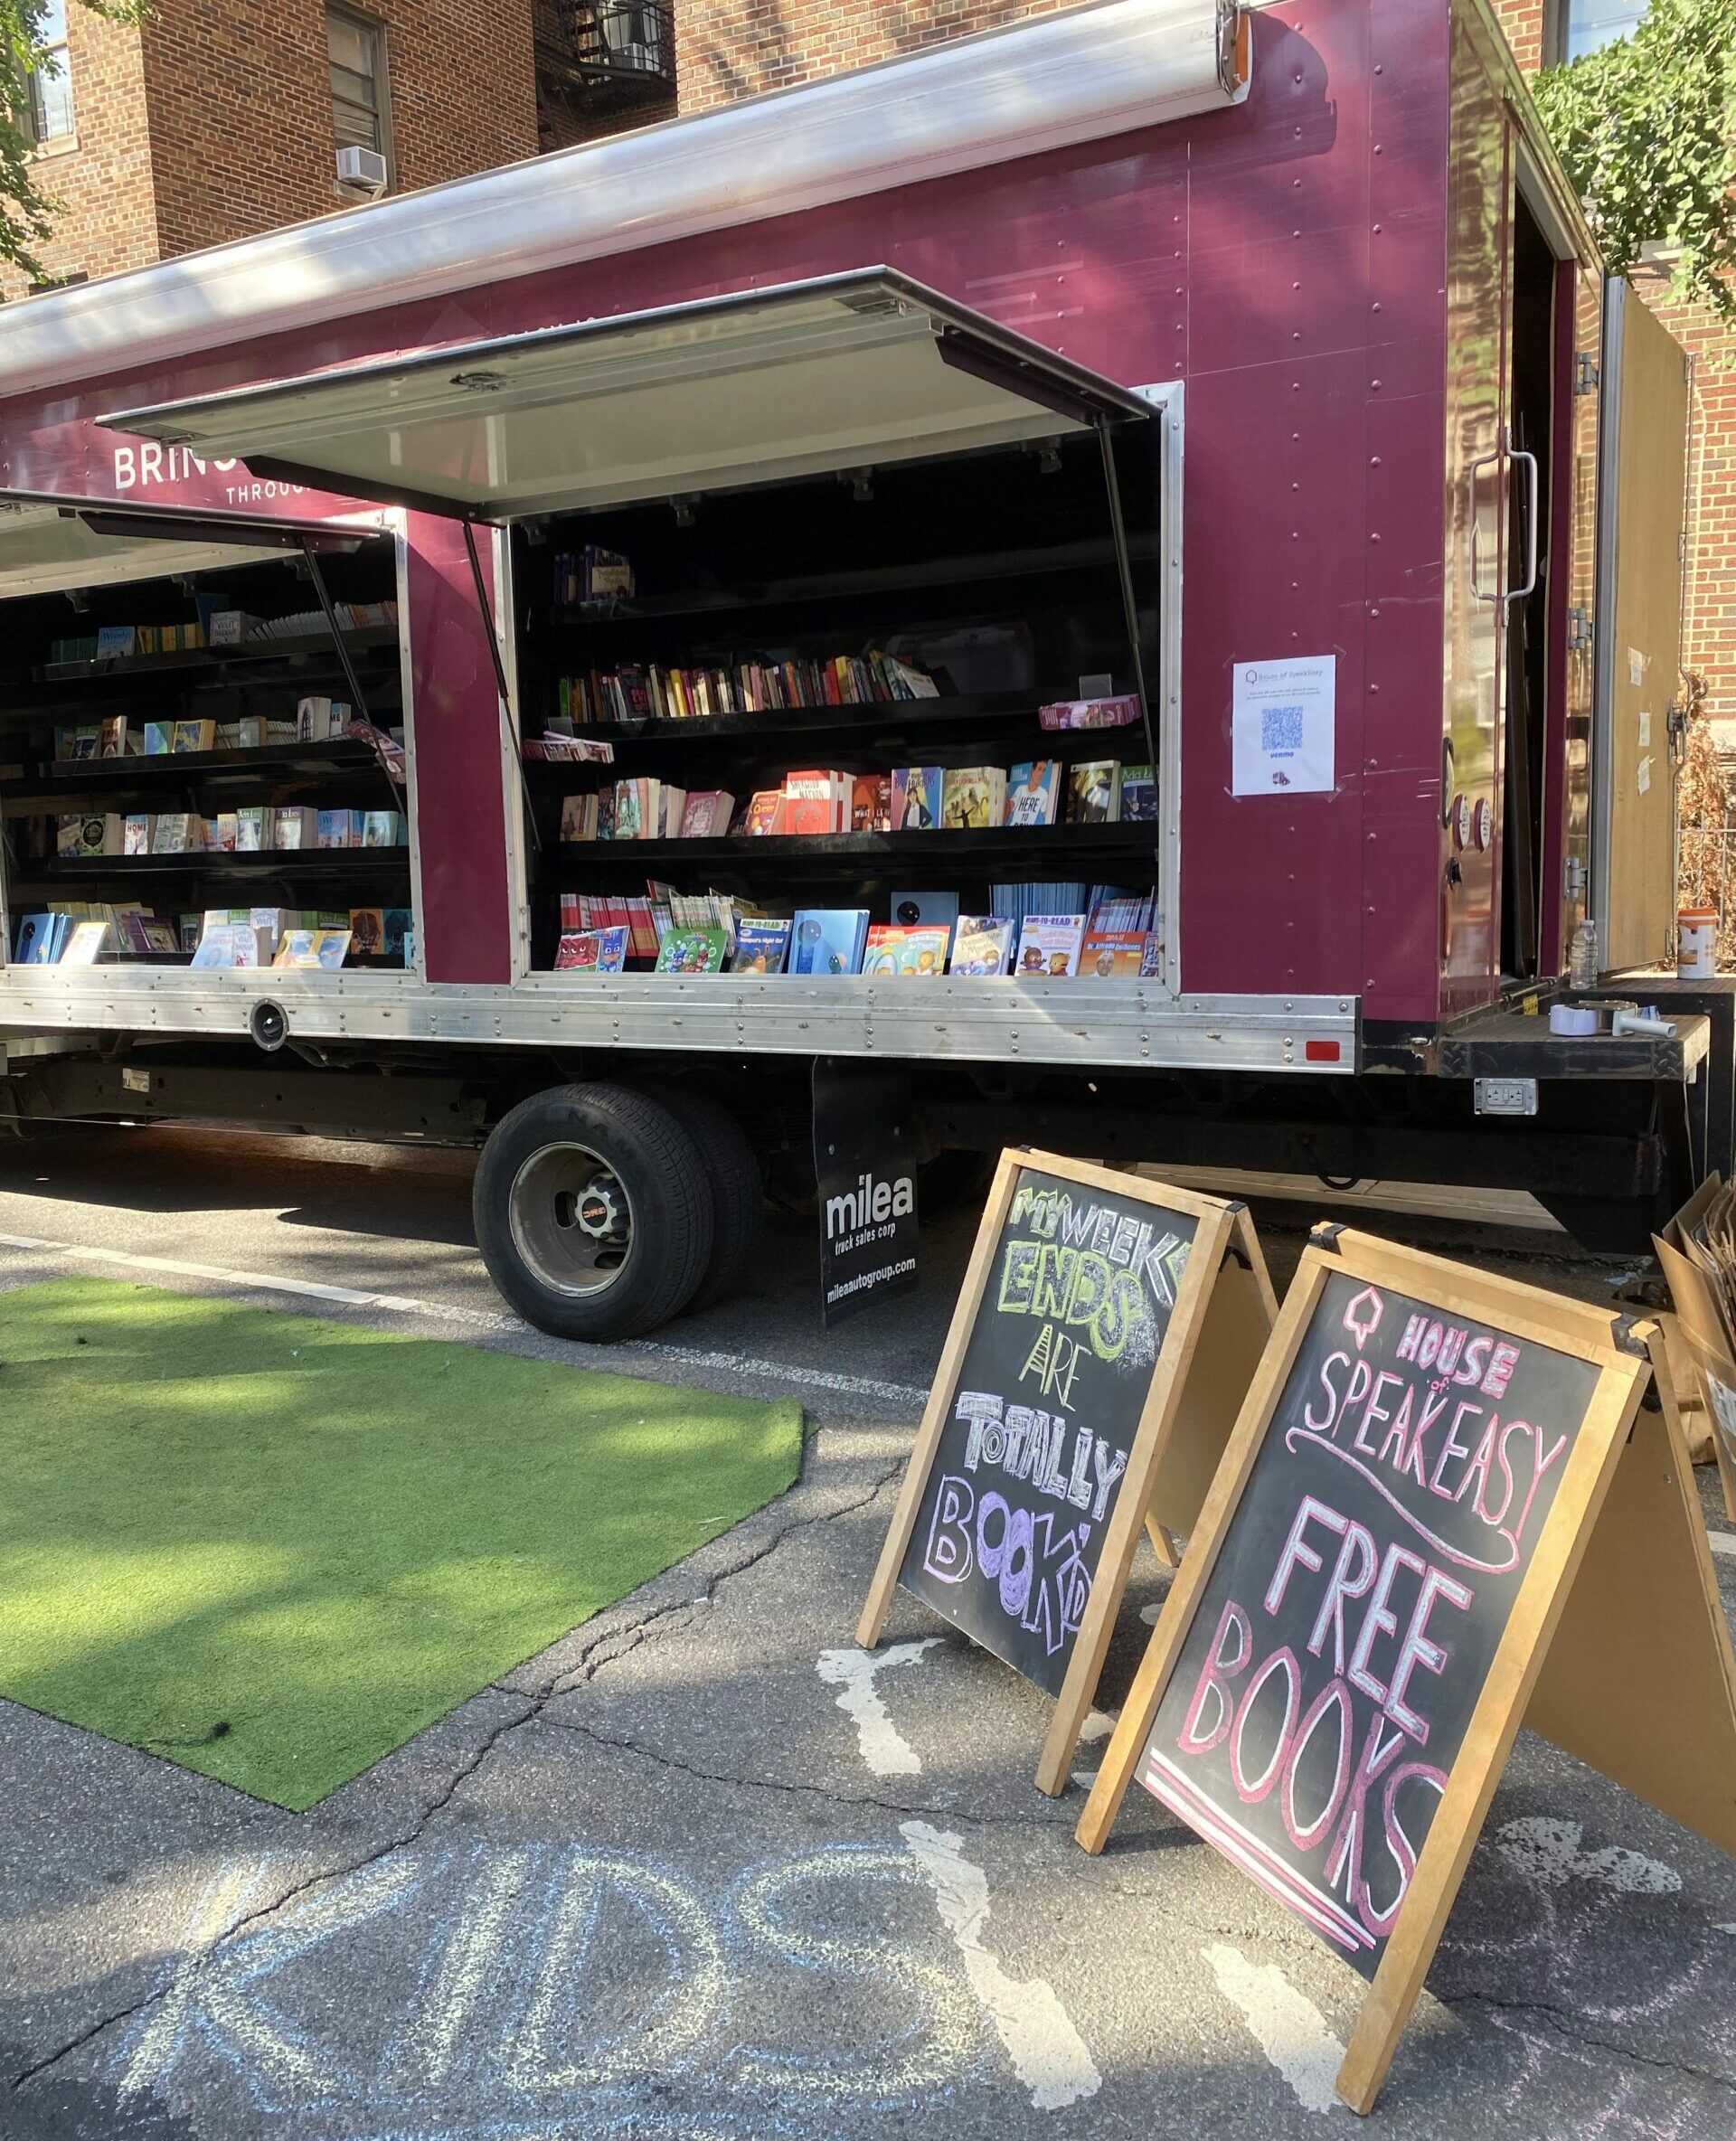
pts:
[903, 1394]
[883, 1747]
[1545, 1847]
[1047, 2052]
[1289, 2029]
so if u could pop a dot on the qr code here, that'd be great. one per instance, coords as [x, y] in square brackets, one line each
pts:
[1280, 728]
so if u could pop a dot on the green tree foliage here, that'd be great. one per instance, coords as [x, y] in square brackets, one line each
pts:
[1647, 128]
[26, 212]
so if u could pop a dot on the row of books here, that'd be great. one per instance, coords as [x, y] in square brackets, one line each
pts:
[843, 941]
[1110, 933]
[219, 623]
[591, 575]
[283, 936]
[650, 692]
[910, 798]
[316, 720]
[74, 933]
[253, 829]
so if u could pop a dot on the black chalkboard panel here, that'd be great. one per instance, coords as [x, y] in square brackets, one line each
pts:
[1365, 1576]
[1055, 1375]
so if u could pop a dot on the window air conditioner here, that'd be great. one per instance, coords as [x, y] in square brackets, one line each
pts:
[363, 168]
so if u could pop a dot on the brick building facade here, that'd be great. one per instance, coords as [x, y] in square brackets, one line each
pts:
[213, 122]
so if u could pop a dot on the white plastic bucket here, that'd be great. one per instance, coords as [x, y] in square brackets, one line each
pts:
[1696, 944]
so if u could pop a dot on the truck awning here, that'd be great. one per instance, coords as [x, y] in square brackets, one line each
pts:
[841, 372]
[53, 540]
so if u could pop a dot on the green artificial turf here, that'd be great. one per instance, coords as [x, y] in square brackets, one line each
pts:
[272, 1548]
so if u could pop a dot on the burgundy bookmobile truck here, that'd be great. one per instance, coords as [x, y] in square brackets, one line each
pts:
[1256, 360]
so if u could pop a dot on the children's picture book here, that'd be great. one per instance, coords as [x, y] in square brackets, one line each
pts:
[892, 949]
[706, 815]
[982, 944]
[296, 824]
[69, 834]
[116, 640]
[159, 739]
[33, 945]
[111, 737]
[591, 952]
[1049, 945]
[334, 829]
[367, 932]
[174, 834]
[1107, 952]
[814, 801]
[382, 828]
[1033, 793]
[766, 812]
[253, 828]
[323, 950]
[1137, 795]
[972, 797]
[397, 925]
[932, 910]
[760, 947]
[693, 951]
[86, 945]
[1093, 797]
[228, 831]
[191, 736]
[135, 834]
[916, 798]
[870, 803]
[828, 940]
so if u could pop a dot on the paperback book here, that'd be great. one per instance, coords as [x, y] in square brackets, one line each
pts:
[892, 949]
[1049, 943]
[982, 944]
[760, 947]
[1033, 793]
[1093, 796]
[916, 798]
[693, 951]
[828, 940]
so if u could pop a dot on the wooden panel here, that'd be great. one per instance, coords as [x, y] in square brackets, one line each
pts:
[1650, 493]
[1639, 1681]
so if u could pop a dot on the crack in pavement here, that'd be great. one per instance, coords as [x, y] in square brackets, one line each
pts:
[1558, 2020]
[532, 1707]
[1061, 1821]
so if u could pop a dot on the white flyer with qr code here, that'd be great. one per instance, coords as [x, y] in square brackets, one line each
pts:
[1282, 720]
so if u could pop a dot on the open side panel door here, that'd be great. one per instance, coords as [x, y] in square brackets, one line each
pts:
[803, 379]
[1642, 510]
[51, 541]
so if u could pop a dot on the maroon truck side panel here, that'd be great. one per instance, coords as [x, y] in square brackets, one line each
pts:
[1287, 260]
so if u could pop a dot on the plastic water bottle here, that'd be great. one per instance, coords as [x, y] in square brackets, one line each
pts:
[1583, 958]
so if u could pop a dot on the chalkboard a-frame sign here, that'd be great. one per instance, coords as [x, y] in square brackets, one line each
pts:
[1382, 1588]
[1105, 1332]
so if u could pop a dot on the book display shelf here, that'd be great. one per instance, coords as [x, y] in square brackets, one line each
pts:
[822, 699]
[185, 777]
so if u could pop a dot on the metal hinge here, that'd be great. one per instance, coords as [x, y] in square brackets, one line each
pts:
[1585, 373]
[1580, 628]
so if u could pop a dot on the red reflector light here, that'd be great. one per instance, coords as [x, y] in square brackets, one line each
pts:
[1320, 1051]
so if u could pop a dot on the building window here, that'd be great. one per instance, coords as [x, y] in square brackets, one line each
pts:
[361, 94]
[51, 87]
[1583, 26]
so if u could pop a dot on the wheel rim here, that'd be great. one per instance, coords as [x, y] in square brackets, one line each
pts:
[572, 1220]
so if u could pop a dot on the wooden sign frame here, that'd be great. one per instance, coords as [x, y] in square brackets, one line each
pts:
[1221, 1321]
[1622, 1689]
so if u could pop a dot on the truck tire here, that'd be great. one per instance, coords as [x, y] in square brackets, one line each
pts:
[738, 1190]
[593, 1213]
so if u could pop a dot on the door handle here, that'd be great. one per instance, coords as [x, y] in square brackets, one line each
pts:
[1493, 461]
[1518, 453]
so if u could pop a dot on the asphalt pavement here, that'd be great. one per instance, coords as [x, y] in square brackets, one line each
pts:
[703, 1871]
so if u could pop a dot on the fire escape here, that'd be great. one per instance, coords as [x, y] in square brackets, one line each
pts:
[602, 65]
